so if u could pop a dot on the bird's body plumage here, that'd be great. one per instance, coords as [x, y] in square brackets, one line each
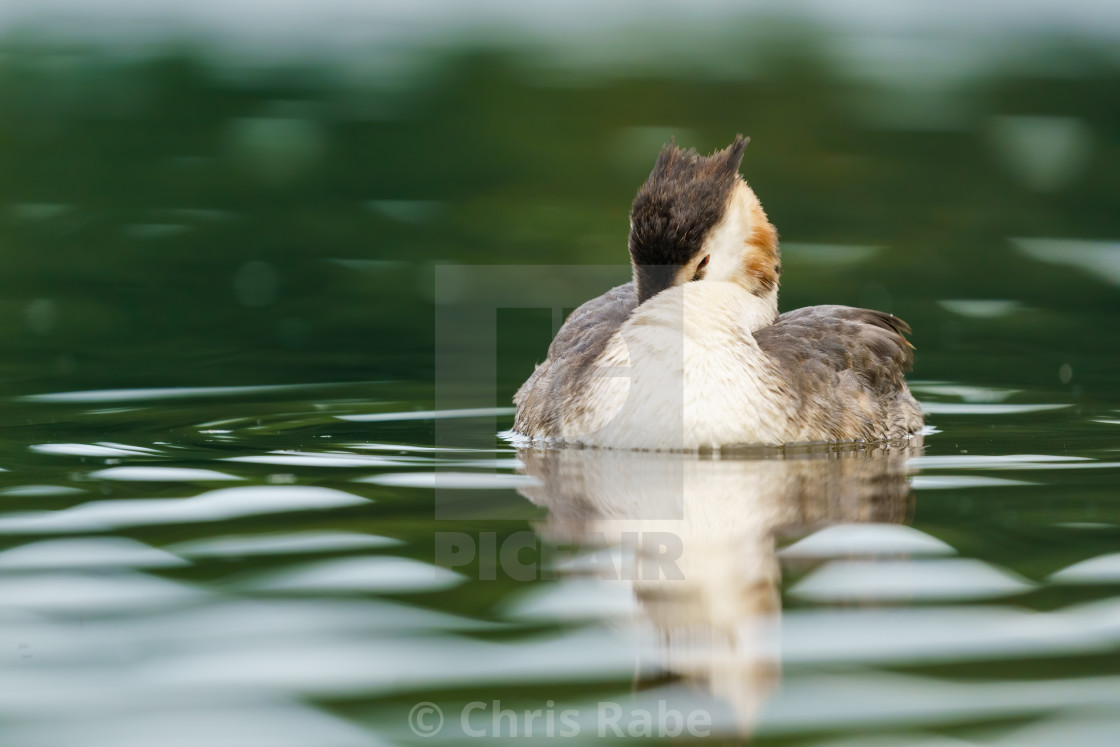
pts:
[666, 363]
[831, 373]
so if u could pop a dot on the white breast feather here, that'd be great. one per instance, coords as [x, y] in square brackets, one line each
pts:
[684, 372]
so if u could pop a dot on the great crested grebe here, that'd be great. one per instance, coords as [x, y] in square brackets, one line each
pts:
[693, 354]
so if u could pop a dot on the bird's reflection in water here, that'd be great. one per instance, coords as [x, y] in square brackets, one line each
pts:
[700, 534]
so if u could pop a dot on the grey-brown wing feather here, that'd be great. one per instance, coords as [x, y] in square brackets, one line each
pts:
[583, 336]
[847, 368]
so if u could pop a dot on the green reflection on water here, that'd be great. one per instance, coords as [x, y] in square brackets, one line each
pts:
[164, 223]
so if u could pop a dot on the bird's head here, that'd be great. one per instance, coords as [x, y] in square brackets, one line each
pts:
[696, 219]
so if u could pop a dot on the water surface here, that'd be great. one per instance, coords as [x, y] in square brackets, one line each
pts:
[241, 504]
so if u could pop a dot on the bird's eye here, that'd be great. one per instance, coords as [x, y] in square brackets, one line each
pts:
[700, 268]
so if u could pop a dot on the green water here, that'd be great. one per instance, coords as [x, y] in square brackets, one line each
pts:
[218, 517]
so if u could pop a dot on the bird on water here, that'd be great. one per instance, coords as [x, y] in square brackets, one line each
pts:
[693, 354]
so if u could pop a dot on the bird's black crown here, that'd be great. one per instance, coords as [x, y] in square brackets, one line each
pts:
[685, 195]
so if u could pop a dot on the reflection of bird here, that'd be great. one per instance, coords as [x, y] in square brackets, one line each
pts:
[702, 535]
[664, 363]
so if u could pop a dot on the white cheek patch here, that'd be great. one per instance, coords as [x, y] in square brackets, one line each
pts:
[727, 243]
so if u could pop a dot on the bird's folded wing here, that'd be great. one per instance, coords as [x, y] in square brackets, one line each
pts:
[571, 356]
[815, 345]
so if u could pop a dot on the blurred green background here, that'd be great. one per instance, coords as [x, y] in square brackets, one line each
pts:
[225, 194]
[174, 213]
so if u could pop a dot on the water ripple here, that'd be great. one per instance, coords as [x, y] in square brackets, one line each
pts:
[453, 480]
[92, 552]
[898, 580]
[281, 544]
[383, 574]
[215, 505]
[162, 474]
[866, 539]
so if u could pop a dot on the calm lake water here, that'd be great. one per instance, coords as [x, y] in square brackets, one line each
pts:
[250, 496]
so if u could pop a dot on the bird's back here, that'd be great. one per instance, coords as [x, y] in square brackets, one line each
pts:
[846, 368]
[570, 362]
[841, 368]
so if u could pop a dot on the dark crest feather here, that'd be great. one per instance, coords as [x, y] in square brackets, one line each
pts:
[683, 198]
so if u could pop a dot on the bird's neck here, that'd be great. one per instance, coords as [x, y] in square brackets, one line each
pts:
[757, 312]
[709, 309]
